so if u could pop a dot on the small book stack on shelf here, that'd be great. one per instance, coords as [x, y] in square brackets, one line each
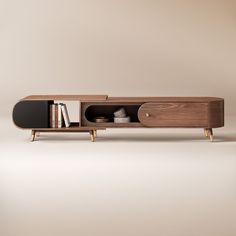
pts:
[59, 116]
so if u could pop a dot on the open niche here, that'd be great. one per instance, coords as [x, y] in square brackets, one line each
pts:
[107, 112]
[64, 114]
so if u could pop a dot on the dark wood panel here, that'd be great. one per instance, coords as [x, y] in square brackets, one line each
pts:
[114, 125]
[74, 127]
[174, 114]
[216, 114]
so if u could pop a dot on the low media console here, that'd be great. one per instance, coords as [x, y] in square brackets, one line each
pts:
[32, 113]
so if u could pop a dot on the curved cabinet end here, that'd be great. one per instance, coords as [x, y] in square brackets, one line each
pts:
[30, 114]
[216, 114]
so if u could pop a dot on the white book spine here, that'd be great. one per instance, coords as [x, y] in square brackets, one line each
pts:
[65, 115]
[53, 115]
[59, 116]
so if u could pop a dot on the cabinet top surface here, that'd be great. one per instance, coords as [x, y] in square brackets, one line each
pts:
[67, 97]
[164, 99]
[90, 98]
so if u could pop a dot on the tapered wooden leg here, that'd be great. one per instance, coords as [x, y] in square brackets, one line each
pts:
[95, 133]
[92, 135]
[33, 135]
[211, 134]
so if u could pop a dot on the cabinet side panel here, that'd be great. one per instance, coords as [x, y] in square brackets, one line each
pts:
[84, 106]
[216, 114]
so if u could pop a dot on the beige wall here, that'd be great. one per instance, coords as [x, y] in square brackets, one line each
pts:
[117, 48]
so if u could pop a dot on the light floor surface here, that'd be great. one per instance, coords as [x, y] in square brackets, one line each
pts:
[130, 182]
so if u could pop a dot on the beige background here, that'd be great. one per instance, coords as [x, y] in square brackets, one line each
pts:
[157, 48]
[130, 182]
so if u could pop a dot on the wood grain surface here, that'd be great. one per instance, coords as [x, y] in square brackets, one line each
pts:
[196, 112]
[174, 114]
[67, 97]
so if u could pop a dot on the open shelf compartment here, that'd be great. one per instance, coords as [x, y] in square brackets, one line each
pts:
[107, 110]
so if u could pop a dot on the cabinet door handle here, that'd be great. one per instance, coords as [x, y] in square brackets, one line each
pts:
[147, 114]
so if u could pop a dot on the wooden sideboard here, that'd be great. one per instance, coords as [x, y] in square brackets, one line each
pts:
[32, 113]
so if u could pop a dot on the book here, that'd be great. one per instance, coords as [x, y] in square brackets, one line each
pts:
[59, 116]
[59, 120]
[52, 110]
[56, 115]
[65, 115]
[50, 116]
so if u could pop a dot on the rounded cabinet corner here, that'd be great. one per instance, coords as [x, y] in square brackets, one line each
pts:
[16, 114]
[29, 114]
[216, 114]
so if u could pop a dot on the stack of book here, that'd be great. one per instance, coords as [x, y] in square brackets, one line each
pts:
[59, 115]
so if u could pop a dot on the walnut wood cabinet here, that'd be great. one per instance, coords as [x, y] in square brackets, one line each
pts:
[32, 113]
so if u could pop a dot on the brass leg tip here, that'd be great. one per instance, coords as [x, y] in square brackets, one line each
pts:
[33, 136]
[211, 134]
[92, 136]
[211, 138]
[95, 133]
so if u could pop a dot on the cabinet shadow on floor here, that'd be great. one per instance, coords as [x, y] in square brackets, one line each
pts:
[136, 137]
[168, 138]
